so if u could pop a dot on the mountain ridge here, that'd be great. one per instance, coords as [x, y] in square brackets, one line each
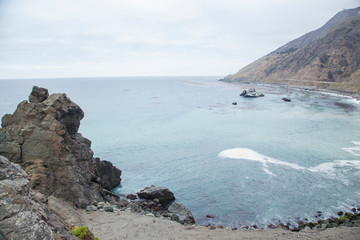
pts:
[327, 58]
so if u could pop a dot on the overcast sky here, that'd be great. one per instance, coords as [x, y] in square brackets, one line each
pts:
[89, 38]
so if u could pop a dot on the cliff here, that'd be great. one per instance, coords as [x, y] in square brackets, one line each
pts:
[22, 216]
[327, 58]
[42, 137]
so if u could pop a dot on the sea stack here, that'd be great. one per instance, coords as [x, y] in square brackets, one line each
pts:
[42, 137]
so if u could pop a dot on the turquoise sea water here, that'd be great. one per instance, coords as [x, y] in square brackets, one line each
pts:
[256, 162]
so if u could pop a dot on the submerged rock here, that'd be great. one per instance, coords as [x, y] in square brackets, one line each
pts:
[42, 136]
[22, 216]
[251, 92]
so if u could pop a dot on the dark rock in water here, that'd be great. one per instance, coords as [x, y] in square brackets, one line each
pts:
[210, 216]
[340, 213]
[131, 196]
[180, 213]
[346, 106]
[109, 175]
[251, 92]
[286, 99]
[22, 216]
[234, 103]
[164, 195]
[38, 94]
[41, 135]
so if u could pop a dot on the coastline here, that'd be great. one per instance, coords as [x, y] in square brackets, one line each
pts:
[123, 225]
[133, 223]
[334, 92]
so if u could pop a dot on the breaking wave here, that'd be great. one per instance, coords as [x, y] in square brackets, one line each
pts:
[328, 168]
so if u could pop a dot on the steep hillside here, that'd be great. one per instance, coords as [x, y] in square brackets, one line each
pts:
[325, 58]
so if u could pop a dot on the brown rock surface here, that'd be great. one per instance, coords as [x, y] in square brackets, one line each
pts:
[41, 135]
[327, 58]
[22, 216]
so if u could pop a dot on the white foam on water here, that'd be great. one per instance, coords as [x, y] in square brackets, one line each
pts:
[329, 168]
[251, 155]
[353, 150]
[333, 166]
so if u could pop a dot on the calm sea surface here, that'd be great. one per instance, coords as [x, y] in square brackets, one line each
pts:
[256, 162]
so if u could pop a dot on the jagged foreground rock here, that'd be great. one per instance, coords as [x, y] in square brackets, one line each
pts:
[22, 216]
[42, 136]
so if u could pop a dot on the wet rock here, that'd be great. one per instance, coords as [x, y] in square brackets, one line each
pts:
[180, 213]
[286, 99]
[234, 103]
[164, 195]
[22, 216]
[109, 175]
[251, 92]
[340, 213]
[41, 135]
[210, 216]
[131, 196]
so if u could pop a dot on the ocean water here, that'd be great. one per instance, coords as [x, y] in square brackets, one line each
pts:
[258, 162]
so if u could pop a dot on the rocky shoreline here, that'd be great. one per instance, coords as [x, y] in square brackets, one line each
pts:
[48, 174]
[48, 167]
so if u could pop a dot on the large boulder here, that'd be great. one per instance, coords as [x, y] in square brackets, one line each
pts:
[22, 216]
[109, 175]
[42, 136]
[251, 92]
[180, 213]
[163, 194]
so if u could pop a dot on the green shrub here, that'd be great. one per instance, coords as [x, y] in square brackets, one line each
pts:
[83, 233]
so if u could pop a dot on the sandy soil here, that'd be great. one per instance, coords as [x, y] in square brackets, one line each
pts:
[123, 225]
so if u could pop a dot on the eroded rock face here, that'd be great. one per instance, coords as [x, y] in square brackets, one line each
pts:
[22, 216]
[41, 135]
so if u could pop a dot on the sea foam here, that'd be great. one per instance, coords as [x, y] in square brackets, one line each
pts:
[353, 150]
[251, 155]
[328, 168]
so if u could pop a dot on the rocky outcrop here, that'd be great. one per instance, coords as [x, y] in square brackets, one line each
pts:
[22, 216]
[148, 204]
[327, 58]
[109, 175]
[180, 213]
[164, 195]
[251, 92]
[42, 136]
